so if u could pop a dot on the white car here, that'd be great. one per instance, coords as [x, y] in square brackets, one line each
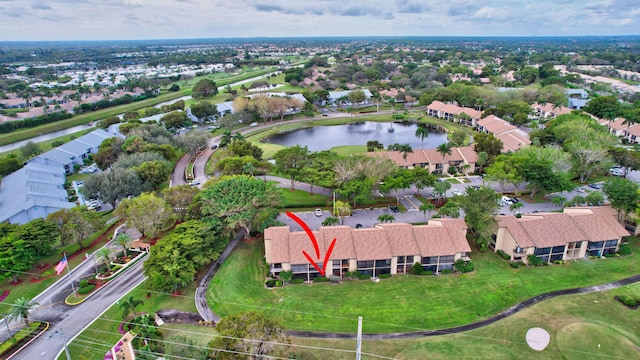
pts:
[195, 182]
[507, 200]
[318, 212]
[616, 172]
[457, 192]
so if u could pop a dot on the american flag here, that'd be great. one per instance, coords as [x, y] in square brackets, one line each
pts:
[61, 265]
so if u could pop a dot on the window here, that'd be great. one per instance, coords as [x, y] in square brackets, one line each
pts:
[383, 263]
[557, 249]
[299, 268]
[336, 263]
[446, 259]
[365, 264]
[426, 260]
[611, 243]
[409, 260]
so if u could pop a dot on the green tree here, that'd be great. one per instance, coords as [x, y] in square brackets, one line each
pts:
[193, 141]
[76, 224]
[176, 120]
[458, 137]
[252, 333]
[482, 161]
[559, 201]
[21, 309]
[487, 143]
[204, 89]
[421, 133]
[9, 164]
[623, 195]
[113, 185]
[291, 161]
[356, 96]
[153, 172]
[148, 213]
[450, 209]
[123, 239]
[39, 237]
[384, 218]
[606, 107]
[341, 210]
[108, 152]
[629, 160]
[594, 198]
[203, 110]
[427, 208]
[14, 256]
[181, 346]
[330, 221]
[480, 206]
[128, 306]
[405, 149]
[444, 149]
[105, 255]
[29, 150]
[237, 200]
[515, 207]
[179, 198]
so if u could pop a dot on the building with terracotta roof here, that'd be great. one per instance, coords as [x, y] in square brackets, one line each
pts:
[549, 110]
[383, 249]
[432, 160]
[453, 113]
[512, 138]
[576, 233]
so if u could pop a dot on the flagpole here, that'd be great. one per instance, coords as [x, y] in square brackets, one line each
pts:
[70, 279]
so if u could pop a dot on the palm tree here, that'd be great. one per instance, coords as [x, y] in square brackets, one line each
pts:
[21, 309]
[515, 206]
[123, 240]
[225, 139]
[450, 209]
[444, 149]
[238, 137]
[427, 208]
[422, 132]
[105, 255]
[558, 201]
[129, 306]
[405, 149]
[249, 168]
[386, 218]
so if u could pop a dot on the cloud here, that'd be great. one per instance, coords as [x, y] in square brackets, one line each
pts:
[412, 7]
[40, 6]
[268, 8]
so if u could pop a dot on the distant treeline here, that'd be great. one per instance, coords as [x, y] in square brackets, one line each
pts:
[104, 103]
[9, 126]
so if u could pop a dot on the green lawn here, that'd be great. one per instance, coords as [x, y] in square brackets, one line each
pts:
[404, 303]
[349, 149]
[576, 323]
[302, 199]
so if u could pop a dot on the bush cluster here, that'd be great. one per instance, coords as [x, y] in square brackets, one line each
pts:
[629, 300]
[534, 260]
[297, 281]
[384, 276]
[463, 266]
[516, 264]
[19, 336]
[83, 290]
[320, 279]
[504, 255]
[624, 249]
[447, 271]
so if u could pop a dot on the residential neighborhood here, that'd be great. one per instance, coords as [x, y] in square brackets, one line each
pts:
[201, 190]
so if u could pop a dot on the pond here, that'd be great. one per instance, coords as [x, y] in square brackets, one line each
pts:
[326, 137]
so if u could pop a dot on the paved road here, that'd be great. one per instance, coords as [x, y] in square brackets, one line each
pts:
[72, 319]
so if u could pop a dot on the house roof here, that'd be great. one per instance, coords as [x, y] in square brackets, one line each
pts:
[454, 109]
[495, 125]
[617, 124]
[442, 237]
[65, 153]
[556, 229]
[513, 140]
[428, 156]
[334, 95]
[33, 185]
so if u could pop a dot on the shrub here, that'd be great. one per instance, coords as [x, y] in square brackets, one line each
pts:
[84, 283]
[609, 255]
[384, 276]
[557, 262]
[270, 283]
[629, 300]
[416, 269]
[334, 279]
[534, 260]
[320, 279]
[427, 273]
[463, 266]
[57, 143]
[19, 336]
[447, 271]
[624, 249]
[351, 274]
[278, 283]
[503, 255]
[86, 289]
[362, 276]
[297, 281]
[515, 264]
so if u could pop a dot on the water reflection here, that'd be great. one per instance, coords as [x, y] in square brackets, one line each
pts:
[325, 137]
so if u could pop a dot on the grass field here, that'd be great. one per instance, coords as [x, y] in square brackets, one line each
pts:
[401, 303]
[577, 325]
[302, 199]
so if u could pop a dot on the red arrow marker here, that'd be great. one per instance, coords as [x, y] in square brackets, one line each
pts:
[306, 228]
[315, 245]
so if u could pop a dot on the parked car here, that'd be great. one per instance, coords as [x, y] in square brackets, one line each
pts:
[318, 212]
[457, 192]
[507, 200]
[616, 172]
[595, 186]
[194, 182]
[358, 226]
[214, 146]
[394, 208]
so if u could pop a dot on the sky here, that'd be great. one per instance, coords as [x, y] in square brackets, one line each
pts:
[35, 20]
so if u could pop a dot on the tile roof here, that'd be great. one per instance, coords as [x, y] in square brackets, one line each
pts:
[555, 229]
[442, 237]
[617, 124]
